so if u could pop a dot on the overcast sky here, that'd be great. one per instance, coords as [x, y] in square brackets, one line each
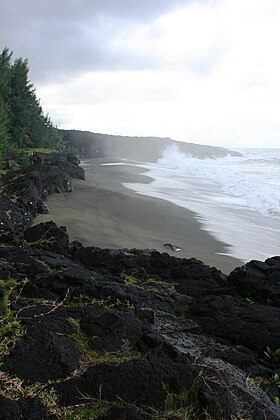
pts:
[204, 71]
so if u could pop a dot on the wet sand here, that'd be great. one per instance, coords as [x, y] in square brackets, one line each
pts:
[102, 212]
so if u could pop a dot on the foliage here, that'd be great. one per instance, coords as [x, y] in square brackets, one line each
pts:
[5, 96]
[8, 286]
[22, 121]
[178, 404]
[91, 357]
[10, 328]
[90, 411]
[44, 150]
[274, 356]
[275, 382]
[250, 301]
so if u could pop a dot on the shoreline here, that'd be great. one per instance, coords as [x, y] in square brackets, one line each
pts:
[84, 319]
[102, 212]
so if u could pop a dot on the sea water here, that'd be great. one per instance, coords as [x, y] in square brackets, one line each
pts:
[236, 199]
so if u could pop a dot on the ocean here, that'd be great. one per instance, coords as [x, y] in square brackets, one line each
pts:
[236, 199]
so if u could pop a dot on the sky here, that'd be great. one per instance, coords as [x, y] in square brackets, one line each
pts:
[202, 71]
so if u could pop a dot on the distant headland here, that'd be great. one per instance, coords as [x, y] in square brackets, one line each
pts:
[147, 149]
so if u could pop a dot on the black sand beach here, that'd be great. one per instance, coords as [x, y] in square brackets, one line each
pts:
[102, 212]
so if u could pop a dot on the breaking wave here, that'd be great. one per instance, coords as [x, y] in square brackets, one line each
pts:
[254, 177]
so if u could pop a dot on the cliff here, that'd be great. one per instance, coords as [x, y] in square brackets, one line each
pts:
[90, 333]
[146, 149]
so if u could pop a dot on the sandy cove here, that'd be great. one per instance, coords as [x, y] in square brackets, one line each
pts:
[102, 212]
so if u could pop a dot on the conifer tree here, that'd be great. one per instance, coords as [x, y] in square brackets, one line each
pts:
[4, 137]
[21, 90]
[5, 92]
[22, 121]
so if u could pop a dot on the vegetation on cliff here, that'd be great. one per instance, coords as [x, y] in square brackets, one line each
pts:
[22, 120]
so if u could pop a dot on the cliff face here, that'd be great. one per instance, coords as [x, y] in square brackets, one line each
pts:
[127, 334]
[147, 149]
[23, 192]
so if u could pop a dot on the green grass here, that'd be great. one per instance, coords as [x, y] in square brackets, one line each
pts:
[110, 305]
[10, 333]
[91, 357]
[91, 411]
[38, 150]
[273, 355]
[9, 287]
[10, 328]
[275, 382]
[174, 402]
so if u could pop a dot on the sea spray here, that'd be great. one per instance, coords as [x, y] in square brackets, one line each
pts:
[235, 199]
[253, 178]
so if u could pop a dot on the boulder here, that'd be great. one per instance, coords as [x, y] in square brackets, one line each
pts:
[46, 351]
[25, 409]
[147, 381]
[258, 281]
[48, 236]
[229, 318]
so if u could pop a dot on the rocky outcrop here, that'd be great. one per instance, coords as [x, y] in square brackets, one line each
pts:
[23, 192]
[146, 149]
[131, 334]
[32, 409]
[259, 281]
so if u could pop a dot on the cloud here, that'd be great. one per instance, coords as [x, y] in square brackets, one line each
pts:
[205, 71]
[66, 37]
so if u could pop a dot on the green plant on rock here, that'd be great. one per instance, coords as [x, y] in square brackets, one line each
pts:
[129, 279]
[24, 243]
[96, 408]
[25, 161]
[250, 301]
[10, 333]
[222, 347]
[9, 289]
[10, 328]
[239, 416]
[42, 150]
[273, 355]
[4, 303]
[171, 286]
[109, 304]
[275, 382]
[42, 242]
[174, 402]
[91, 357]
[13, 388]
[89, 411]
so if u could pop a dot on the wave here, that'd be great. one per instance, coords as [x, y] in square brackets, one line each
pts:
[254, 178]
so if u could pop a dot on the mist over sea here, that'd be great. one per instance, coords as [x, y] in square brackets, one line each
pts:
[237, 199]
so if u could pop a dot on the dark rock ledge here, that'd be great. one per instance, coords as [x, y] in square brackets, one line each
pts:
[89, 333]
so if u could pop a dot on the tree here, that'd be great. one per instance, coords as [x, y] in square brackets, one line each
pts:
[21, 109]
[5, 94]
[4, 137]
[22, 121]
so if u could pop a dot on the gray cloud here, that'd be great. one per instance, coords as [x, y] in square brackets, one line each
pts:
[70, 36]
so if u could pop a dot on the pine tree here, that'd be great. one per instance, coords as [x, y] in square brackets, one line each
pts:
[5, 92]
[22, 121]
[21, 90]
[4, 137]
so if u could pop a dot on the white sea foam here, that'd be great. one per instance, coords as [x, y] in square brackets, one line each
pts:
[254, 179]
[237, 199]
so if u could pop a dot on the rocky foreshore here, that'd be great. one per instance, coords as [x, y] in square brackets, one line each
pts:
[90, 333]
